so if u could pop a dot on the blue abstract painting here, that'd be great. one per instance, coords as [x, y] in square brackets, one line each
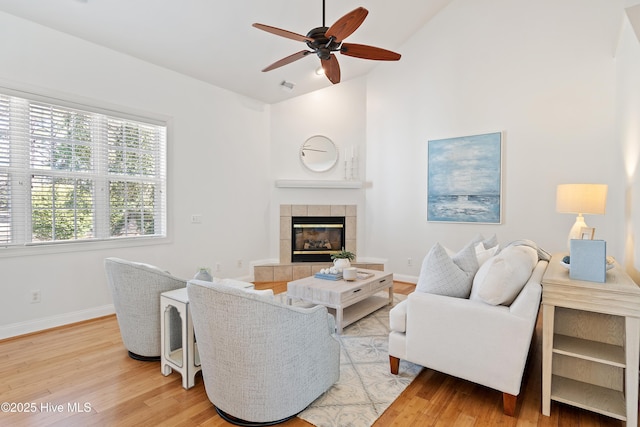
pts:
[464, 179]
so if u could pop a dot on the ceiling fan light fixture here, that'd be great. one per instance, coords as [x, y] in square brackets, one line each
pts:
[320, 71]
[325, 41]
[287, 86]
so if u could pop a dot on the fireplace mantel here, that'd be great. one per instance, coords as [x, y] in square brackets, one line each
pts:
[317, 183]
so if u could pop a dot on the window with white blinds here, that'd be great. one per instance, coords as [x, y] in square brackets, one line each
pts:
[72, 175]
[5, 188]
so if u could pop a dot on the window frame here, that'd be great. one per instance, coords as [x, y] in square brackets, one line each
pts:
[20, 182]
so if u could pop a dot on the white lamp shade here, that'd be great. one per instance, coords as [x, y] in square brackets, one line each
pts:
[582, 198]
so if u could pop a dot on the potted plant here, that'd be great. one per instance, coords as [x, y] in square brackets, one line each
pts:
[343, 259]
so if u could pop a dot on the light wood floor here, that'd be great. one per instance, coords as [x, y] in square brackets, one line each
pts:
[86, 364]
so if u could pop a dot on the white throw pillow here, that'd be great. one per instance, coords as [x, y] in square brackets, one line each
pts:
[501, 278]
[442, 274]
[487, 243]
[481, 244]
[490, 242]
[485, 248]
[483, 254]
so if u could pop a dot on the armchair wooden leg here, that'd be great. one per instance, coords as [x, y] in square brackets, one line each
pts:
[509, 404]
[394, 363]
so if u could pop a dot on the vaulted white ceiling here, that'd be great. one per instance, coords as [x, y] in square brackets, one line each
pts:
[633, 13]
[213, 40]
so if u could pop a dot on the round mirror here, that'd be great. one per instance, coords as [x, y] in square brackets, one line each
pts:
[319, 153]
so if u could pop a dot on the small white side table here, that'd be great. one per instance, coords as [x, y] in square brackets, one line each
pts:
[185, 359]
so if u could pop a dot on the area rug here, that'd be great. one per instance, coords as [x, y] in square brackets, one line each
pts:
[366, 387]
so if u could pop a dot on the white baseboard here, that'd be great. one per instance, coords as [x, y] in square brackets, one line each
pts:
[405, 278]
[22, 328]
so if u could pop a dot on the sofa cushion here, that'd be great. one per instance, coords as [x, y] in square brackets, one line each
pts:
[446, 275]
[501, 278]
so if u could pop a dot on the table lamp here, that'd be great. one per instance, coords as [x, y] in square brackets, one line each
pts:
[581, 199]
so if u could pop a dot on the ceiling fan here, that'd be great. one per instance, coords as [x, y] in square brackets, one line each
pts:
[323, 41]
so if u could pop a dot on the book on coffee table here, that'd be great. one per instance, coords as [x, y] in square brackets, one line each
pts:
[328, 276]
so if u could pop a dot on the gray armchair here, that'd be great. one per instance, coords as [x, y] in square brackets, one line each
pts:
[262, 361]
[136, 288]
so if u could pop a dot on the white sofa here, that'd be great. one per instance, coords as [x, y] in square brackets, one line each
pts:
[469, 338]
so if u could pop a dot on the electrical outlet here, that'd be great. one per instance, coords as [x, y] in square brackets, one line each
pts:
[410, 262]
[35, 296]
[217, 267]
[239, 263]
[196, 219]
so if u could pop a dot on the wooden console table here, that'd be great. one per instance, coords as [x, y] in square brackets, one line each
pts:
[590, 342]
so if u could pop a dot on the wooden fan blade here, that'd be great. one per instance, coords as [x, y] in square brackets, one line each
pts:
[368, 52]
[346, 25]
[331, 69]
[289, 59]
[282, 33]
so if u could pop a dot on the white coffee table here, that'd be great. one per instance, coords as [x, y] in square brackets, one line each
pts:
[348, 300]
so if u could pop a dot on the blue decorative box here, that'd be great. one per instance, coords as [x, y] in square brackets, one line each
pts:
[588, 260]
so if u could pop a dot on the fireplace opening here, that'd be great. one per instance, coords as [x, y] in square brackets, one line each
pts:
[316, 238]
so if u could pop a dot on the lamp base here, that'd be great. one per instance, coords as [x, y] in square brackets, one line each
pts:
[574, 233]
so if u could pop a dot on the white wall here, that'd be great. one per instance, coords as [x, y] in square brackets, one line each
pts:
[628, 115]
[543, 72]
[218, 160]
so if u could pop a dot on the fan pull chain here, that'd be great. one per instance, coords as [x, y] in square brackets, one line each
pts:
[323, 14]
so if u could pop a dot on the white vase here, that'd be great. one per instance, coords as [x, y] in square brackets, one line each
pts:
[341, 263]
[203, 274]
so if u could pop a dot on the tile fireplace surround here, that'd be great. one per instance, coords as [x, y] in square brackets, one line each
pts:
[286, 270]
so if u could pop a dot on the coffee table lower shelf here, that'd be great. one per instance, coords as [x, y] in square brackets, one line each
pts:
[357, 311]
